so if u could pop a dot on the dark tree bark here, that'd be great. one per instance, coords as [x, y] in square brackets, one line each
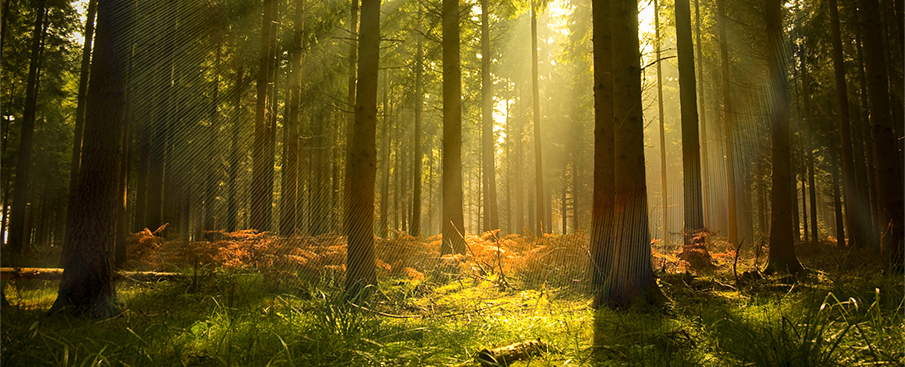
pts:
[362, 171]
[781, 257]
[491, 220]
[210, 188]
[262, 162]
[18, 236]
[232, 206]
[728, 125]
[886, 155]
[602, 227]
[351, 84]
[75, 161]
[289, 187]
[631, 278]
[87, 286]
[453, 220]
[538, 161]
[864, 129]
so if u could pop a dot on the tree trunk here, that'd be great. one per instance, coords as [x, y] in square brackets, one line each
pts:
[415, 228]
[491, 220]
[705, 168]
[87, 286]
[781, 257]
[261, 199]
[453, 219]
[18, 238]
[602, 226]
[631, 278]
[538, 162]
[350, 121]
[362, 170]
[886, 156]
[232, 206]
[868, 147]
[664, 188]
[728, 125]
[289, 185]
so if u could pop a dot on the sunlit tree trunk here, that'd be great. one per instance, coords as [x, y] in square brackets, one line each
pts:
[705, 167]
[18, 232]
[602, 227]
[664, 191]
[417, 162]
[363, 153]
[781, 257]
[453, 219]
[383, 221]
[261, 196]
[886, 156]
[289, 184]
[538, 161]
[491, 220]
[728, 125]
[87, 284]
[631, 277]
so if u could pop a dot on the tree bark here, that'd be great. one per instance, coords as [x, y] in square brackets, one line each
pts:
[491, 220]
[232, 206]
[453, 219]
[602, 226]
[87, 285]
[415, 228]
[728, 125]
[538, 161]
[360, 263]
[261, 199]
[705, 168]
[781, 256]
[289, 186]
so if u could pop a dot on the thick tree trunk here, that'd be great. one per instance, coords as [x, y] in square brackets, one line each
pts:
[362, 170]
[87, 284]
[538, 161]
[491, 220]
[261, 197]
[886, 155]
[289, 185]
[18, 238]
[781, 257]
[602, 226]
[453, 219]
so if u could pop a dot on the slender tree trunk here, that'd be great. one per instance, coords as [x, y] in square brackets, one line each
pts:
[453, 219]
[837, 202]
[351, 85]
[289, 186]
[728, 125]
[383, 223]
[18, 238]
[865, 130]
[261, 199]
[360, 271]
[87, 284]
[491, 220]
[163, 80]
[886, 156]
[415, 228]
[538, 162]
[232, 206]
[664, 188]
[602, 211]
[210, 189]
[705, 167]
[781, 257]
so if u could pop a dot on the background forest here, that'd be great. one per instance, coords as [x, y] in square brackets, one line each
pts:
[427, 172]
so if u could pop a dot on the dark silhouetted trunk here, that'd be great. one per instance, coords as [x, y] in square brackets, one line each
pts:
[453, 220]
[289, 185]
[262, 163]
[602, 227]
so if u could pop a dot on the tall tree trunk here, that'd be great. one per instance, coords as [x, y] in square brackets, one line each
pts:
[886, 156]
[602, 211]
[383, 222]
[362, 170]
[453, 219]
[289, 185]
[631, 278]
[163, 82]
[868, 147]
[80, 116]
[415, 228]
[538, 162]
[691, 155]
[728, 125]
[232, 205]
[491, 220]
[705, 168]
[210, 189]
[18, 238]
[87, 284]
[664, 188]
[837, 202]
[261, 197]
[351, 84]
[857, 206]
[781, 257]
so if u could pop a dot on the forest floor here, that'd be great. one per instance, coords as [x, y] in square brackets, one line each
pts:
[257, 300]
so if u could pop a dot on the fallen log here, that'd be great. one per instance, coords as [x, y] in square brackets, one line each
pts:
[57, 274]
[503, 356]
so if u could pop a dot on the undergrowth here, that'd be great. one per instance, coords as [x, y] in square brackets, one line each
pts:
[258, 300]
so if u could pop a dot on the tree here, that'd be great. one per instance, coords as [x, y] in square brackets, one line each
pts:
[87, 285]
[18, 234]
[362, 171]
[491, 220]
[261, 195]
[289, 186]
[781, 257]
[602, 236]
[415, 228]
[538, 166]
[664, 190]
[453, 219]
[728, 124]
[631, 276]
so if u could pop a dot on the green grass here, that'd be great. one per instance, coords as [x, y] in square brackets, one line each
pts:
[234, 320]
